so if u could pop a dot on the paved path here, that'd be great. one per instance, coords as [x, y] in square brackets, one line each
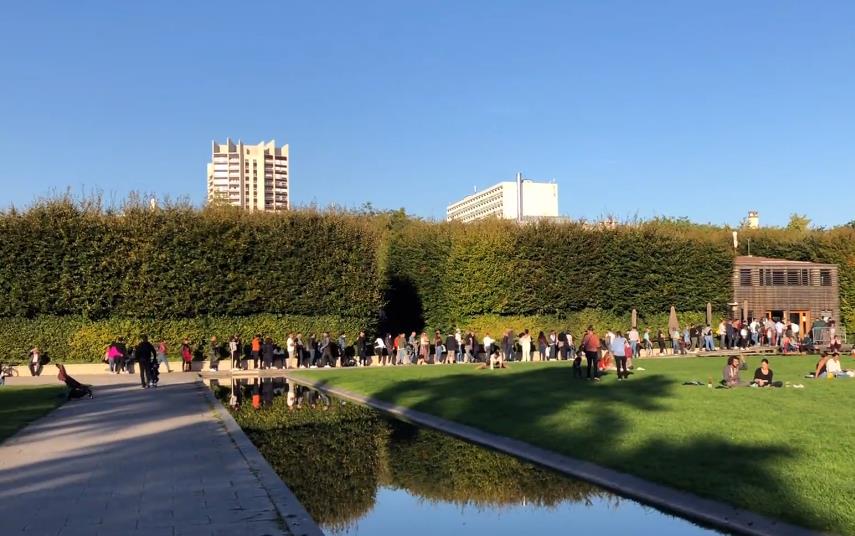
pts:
[132, 462]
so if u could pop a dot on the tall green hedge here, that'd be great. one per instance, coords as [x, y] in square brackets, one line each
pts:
[81, 264]
[62, 258]
[460, 271]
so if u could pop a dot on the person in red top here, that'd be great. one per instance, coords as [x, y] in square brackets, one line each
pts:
[591, 346]
[256, 350]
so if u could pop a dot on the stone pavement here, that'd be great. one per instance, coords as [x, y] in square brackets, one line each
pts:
[134, 461]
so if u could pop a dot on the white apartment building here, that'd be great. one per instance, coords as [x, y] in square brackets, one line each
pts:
[511, 200]
[252, 177]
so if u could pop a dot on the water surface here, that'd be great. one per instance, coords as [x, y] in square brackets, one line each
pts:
[358, 472]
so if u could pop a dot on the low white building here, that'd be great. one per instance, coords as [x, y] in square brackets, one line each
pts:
[511, 200]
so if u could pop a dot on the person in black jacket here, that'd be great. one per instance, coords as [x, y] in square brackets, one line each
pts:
[144, 354]
[361, 353]
[267, 353]
[451, 349]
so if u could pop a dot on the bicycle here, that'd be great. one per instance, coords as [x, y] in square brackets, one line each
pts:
[7, 371]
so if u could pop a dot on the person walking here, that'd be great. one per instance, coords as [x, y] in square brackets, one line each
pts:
[234, 353]
[35, 361]
[469, 348]
[525, 345]
[161, 355]
[145, 353]
[299, 348]
[186, 356]
[591, 347]
[618, 350]
[290, 349]
[214, 354]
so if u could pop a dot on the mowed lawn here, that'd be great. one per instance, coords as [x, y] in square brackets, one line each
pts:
[22, 404]
[788, 453]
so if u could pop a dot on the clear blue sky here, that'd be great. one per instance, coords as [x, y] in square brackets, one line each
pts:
[703, 109]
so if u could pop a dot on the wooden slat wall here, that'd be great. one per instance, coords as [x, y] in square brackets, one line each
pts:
[813, 298]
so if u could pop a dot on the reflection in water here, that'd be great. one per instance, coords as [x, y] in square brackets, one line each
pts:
[338, 458]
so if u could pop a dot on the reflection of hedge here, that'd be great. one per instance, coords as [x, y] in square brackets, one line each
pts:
[329, 459]
[439, 467]
[60, 258]
[72, 338]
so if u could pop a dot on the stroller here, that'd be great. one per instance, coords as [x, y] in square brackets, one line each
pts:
[75, 388]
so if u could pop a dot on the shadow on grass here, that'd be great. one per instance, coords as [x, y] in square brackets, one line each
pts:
[546, 407]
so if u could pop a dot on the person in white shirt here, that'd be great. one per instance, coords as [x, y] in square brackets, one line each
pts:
[291, 347]
[379, 346]
[488, 345]
[525, 345]
[633, 340]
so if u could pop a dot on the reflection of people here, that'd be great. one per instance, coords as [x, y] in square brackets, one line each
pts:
[763, 376]
[730, 374]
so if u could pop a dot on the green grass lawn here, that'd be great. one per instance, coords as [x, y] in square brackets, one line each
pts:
[22, 404]
[787, 453]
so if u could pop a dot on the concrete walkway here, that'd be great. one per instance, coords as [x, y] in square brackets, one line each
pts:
[133, 462]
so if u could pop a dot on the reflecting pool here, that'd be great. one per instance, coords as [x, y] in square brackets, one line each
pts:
[358, 472]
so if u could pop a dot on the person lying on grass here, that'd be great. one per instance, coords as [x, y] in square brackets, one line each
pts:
[763, 376]
[730, 374]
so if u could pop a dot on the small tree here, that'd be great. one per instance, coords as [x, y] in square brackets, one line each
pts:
[798, 222]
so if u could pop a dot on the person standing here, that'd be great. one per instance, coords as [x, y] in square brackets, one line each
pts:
[361, 354]
[488, 346]
[299, 349]
[508, 345]
[255, 350]
[313, 351]
[161, 355]
[451, 349]
[401, 350]
[469, 348]
[618, 350]
[438, 348]
[458, 337]
[145, 353]
[424, 348]
[186, 356]
[35, 361]
[660, 341]
[562, 345]
[553, 345]
[267, 353]
[633, 340]
[591, 347]
[525, 345]
[234, 353]
[291, 349]
[214, 354]
[542, 345]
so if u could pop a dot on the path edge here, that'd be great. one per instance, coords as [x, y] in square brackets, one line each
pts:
[682, 503]
[290, 509]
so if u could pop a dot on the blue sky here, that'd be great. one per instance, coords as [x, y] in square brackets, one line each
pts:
[703, 109]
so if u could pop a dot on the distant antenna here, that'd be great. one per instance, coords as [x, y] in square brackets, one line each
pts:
[474, 189]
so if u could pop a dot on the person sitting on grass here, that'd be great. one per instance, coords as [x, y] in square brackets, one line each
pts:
[730, 374]
[495, 360]
[763, 376]
[829, 365]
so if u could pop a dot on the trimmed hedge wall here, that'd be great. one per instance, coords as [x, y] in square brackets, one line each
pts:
[460, 271]
[179, 271]
[61, 258]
